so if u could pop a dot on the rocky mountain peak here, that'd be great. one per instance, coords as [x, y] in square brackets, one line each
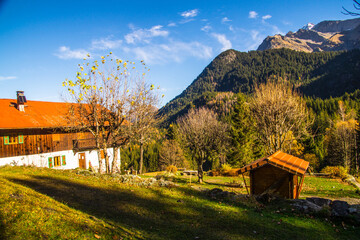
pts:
[324, 36]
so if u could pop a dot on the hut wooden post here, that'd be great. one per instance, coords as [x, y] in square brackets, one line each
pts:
[245, 184]
[300, 186]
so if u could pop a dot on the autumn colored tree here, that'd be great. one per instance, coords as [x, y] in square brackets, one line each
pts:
[341, 138]
[203, 134]
[105, 97]
[278, 110]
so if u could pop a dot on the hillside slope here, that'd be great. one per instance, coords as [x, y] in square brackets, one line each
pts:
[321, 74]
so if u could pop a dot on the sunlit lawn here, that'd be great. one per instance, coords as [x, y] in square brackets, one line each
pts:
[48, 204]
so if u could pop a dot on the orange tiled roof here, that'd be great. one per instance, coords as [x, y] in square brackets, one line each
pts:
[37, 114]
[281, 160]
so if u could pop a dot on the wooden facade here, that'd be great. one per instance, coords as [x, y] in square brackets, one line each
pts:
[32, 133]
[279, 174]
[270, 175]
[38, 141]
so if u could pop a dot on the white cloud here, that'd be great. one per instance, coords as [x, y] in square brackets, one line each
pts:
[172, 24]
[174, 51]
[254, 35]
[225, 19]
[231, 28]
[190, 13]
[226, 44]
[253, 14]
[266, 17]
[66, 53]
[144, 35]
[206, 28]
[105, 43]
[3, 78]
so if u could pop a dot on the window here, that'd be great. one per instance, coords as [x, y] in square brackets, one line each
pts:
[13, 139]
[50, 162]
[57, 162]
[63, 160]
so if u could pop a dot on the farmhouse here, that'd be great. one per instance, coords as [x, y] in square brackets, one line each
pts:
[281, 174]
[32, 133]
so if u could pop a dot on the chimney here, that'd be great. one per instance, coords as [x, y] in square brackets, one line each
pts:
[21, 100]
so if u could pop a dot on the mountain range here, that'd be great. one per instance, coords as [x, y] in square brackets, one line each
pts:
[324, 36]
[311, 58]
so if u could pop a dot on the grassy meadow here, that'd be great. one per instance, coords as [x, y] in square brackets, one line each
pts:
[39, 203]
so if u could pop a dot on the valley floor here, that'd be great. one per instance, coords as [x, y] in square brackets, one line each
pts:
[39, 203]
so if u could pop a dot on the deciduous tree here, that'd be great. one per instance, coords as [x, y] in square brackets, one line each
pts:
[203, 135]
[278, 109]
[106, 95]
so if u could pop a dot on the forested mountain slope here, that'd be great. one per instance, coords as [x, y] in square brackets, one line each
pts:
[322, 74]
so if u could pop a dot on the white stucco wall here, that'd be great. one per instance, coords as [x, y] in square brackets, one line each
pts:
[72, 159]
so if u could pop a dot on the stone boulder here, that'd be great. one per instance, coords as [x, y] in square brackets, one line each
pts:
[319, 201]
[305, 206]
[339, 208]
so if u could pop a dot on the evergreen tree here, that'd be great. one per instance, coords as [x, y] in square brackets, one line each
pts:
[244, 146]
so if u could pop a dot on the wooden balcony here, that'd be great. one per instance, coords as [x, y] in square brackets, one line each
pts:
[84, 144]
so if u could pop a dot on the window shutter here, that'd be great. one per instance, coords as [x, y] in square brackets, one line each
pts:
[21, 139]
[63, 160]
[50, 162]
[6, 140]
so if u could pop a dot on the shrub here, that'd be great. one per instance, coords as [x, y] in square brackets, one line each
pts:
[337, 171]
[225, 168]
[171, 169]
[313, 160]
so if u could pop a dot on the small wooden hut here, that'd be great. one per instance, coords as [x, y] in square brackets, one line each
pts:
[281, 174]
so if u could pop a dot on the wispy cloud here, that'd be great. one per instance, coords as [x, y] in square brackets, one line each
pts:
[225, 19]
[172, 24]
[172, 51]
[206, 28]
[4, 78]
[221, 38]
[66, 53]
[106, 43]
[266, 17]
[144, 35]
[253, 14]
[256, 38]
[190, 13]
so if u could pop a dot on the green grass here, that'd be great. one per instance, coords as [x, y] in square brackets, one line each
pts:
[38, 203]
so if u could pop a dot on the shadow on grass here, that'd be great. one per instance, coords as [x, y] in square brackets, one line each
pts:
[156, 214]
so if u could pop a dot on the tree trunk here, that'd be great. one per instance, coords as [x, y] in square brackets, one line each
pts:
[200, 172]
[100, 162]
[114, 165]
[141, 157]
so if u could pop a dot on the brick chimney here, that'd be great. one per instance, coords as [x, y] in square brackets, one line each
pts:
[21, 100]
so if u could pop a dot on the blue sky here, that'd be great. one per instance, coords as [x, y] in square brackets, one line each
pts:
[41, 42]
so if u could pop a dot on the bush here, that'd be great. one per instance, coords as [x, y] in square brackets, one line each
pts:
[337, 171]
[313, 160]
[171, 169]
[225, 168]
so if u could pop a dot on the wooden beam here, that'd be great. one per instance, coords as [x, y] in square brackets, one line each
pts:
[300, 186]
[245, 184]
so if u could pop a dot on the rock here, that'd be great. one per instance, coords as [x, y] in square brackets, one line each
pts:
[200, 189]
[352, 210]
[339, 208]
[266, 198]
[305, 206]
[213, 193]
[319, 201]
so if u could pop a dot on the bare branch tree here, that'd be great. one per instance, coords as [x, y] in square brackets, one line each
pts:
[143, 122]
[203, 135]
[105, 94]
[278, 110]
[356, 5]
